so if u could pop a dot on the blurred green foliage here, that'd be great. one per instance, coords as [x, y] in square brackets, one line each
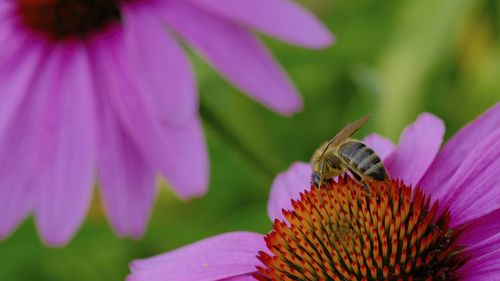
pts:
[394, 59]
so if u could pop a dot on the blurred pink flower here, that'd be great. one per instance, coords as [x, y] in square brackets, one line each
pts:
[103, 87]
[462, 176]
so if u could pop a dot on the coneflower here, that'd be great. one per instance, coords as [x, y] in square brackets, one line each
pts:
[439, 221]
[102, 88]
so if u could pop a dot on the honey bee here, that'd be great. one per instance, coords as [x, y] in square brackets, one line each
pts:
[342, 154]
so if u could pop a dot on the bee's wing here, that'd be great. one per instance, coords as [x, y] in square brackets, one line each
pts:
[346, 132]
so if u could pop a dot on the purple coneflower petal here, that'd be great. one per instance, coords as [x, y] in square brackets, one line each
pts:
[457, 149]
[246, 277]
[483, 264]
[283, 19]
[161, 63]
[190, 178]
[223, 256]
[236, 53]
[481, 228]
[288, 185]
[17, 73]
[382, 146]
[6, 10]
[473, 190]
[15, 193]
[65, 174]
[418, 145]
[164, 64]
[127, 180]
[12, 41]
[18, 138]
[5, 6]
[178, 152]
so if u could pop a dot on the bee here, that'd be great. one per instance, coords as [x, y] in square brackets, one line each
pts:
[342, 154]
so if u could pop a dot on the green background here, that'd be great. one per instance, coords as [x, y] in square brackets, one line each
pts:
[393, 59]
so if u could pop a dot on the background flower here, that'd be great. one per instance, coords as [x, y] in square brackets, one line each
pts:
[103, 87]
[232, 255]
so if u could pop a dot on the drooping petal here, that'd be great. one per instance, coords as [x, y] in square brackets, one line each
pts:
[418, 145]
[246, 277]
[191, 176]
[13, 39]
[287, 186]
[473, 190]
[65, 164]
[162, 64]
[238, 55]
[178, 152]
[283, 19]
[223, 256]
[382, 146]
[18, 70]
[485, 247]
[10, 25]
[480, 229]
[127, 180]
[457, 149]
[19, 136]
[5, 7]
[483, 264]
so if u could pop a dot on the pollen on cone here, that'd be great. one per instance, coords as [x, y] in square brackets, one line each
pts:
[342, 232]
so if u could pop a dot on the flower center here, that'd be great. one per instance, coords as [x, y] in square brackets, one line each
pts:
[61, 19]
[341, 232]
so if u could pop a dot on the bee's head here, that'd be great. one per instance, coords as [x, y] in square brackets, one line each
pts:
[318, 166]
[318, 169]
[315, 179]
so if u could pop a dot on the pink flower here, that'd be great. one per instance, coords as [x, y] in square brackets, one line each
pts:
[455, 239]
[102, 87]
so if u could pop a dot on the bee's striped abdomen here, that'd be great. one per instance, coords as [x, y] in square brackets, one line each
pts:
[363, 160]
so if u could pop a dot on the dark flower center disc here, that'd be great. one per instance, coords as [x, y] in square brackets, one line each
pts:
[61, 19]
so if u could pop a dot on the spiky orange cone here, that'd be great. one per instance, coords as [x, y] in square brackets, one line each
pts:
[341, 232]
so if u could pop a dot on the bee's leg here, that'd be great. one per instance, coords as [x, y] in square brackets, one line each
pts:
[322, 167]
[359, 179]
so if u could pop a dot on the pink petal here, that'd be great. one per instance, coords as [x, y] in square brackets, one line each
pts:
[161, 63]
[17, 147]
[480, 229]
[236, 54]
[14, 30]
[19, 135]
[12, 41]
[5, 7]
[178, 152]
[473, 190]
[66, 162]
[17, 72]
[457, 149]
[7, 11]
[246, 277]
[484, 267]
[223, 256]
[382, 146]
[191, 174]
[287, 186]
[128, 182]
[418, 145]
[283, 19]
